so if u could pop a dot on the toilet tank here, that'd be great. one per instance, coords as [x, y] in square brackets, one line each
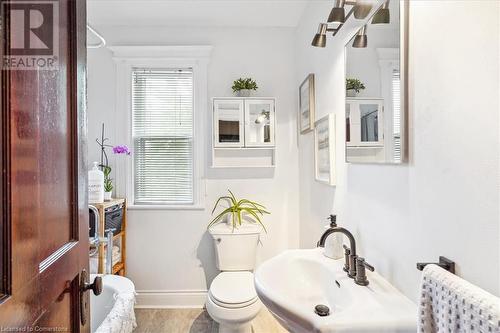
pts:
[235, 249]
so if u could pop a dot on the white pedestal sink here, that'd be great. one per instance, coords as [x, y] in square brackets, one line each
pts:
[294, 282]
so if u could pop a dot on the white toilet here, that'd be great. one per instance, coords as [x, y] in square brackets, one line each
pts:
[232, 299]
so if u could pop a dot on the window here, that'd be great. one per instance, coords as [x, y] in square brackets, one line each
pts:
[396, 109]
[162, 134]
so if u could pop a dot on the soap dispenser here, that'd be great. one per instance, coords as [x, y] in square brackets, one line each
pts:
[333, 244]
[96, 185]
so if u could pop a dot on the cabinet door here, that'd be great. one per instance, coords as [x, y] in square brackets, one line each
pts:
[364, 122]
[259, 122]
[228, 123]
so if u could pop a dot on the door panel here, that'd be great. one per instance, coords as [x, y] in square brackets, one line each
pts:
[44, 226]
[259, 122]
[228, 123]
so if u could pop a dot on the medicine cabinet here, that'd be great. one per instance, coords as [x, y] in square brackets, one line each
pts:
[243, 132]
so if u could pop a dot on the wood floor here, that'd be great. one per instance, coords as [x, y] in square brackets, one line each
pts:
[194, 321]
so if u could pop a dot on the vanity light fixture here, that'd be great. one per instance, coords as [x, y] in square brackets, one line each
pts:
[361, 40]
[360, 9]
[337, 15]
[382, 15]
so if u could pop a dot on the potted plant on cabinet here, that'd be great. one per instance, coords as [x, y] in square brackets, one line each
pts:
[244, 87]
[353, 87]
[239, 211]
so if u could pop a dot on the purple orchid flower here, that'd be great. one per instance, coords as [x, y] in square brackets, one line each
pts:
[121, 150]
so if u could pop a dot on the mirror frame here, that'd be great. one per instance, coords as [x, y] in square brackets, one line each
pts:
[403, 62]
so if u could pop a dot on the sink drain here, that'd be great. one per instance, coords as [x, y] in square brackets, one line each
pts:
[322, 310]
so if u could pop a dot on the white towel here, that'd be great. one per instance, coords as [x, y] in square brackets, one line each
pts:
[450, 304]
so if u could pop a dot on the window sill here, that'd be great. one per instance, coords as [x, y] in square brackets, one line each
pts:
[165, 207]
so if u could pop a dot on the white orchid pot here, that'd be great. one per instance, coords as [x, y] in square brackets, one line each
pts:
[107, 196]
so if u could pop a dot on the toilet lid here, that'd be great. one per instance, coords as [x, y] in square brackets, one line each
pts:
[233, 288]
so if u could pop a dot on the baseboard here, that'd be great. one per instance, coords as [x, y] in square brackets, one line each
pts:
[164, 299]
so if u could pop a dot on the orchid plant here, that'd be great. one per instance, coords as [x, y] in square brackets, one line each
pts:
[106, 169]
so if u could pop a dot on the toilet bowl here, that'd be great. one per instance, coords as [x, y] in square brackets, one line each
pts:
[232, 301]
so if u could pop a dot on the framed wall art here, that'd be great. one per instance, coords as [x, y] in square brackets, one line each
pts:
[324, 150]
[306, 105]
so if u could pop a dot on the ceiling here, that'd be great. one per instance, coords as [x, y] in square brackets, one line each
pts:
[200, 13]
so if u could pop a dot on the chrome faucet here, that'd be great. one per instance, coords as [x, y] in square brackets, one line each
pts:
[350, 265]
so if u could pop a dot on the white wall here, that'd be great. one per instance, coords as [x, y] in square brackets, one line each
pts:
[169, 254]
[445, 201]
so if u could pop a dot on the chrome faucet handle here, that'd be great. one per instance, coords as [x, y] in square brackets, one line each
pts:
[361, 266]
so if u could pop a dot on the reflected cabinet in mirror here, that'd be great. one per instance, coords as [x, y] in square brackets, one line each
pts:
[376, 113]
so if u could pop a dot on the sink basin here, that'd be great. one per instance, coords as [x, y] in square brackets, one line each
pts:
[294, 282]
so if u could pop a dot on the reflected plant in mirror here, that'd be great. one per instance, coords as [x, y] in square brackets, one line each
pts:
[353, 87]
[375, 110]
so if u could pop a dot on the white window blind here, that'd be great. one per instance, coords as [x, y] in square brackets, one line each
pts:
[396, 108]
[162, 131]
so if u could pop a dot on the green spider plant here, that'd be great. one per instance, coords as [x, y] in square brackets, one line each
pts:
[253, 211]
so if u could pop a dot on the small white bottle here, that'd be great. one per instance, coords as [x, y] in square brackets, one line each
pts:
[96, 185]
[333, 244]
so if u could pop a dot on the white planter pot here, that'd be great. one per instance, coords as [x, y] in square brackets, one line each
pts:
[107, 196]
[352, 93]
[228, 219]
[244, 93]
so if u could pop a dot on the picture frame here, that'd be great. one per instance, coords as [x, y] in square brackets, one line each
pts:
[306, 105]
[324, 150]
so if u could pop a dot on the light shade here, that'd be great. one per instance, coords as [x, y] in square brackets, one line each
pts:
[362, 10]
[382, 15]
[361, 40]
[337, 15]
[319, 39]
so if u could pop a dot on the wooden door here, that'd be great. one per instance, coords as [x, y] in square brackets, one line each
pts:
[44, 224]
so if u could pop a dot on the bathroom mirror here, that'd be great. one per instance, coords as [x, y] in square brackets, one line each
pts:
[376, 112]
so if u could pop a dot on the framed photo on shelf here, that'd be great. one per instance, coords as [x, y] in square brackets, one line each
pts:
[324, 150]
[306, 105]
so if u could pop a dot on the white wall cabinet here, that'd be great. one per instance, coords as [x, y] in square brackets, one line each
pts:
[244, 132]
[244, 122]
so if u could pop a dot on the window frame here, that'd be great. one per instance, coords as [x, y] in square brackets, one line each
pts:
[129, 57]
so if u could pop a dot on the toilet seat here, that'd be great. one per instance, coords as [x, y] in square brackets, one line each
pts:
[233, 289]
